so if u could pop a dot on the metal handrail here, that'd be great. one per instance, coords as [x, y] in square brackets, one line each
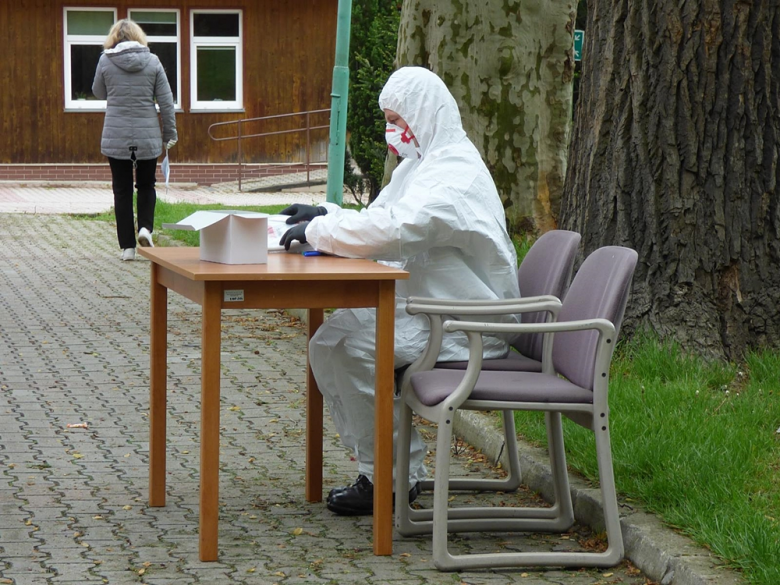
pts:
[241, 136]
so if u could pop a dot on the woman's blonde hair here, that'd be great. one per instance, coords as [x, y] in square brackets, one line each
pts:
[125, 30]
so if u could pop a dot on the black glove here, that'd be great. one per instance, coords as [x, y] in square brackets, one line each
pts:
[302, 212]
[297, 232]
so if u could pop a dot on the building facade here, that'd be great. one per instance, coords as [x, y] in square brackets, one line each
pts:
[226, 60]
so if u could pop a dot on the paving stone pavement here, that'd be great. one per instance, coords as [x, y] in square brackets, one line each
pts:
[96, 197]
[74, 349]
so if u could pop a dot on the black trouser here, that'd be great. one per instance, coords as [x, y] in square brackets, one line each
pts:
[122, 184]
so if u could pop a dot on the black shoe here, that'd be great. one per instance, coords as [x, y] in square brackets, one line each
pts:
[358, 499]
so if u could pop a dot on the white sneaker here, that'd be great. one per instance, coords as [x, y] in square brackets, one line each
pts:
[128, 254]
[145, 238]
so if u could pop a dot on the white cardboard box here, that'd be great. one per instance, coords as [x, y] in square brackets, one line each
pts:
[229, 237]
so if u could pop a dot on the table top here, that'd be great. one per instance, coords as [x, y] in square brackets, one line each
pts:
[280, 266]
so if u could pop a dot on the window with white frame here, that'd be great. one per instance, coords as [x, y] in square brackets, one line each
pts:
[216, 56]
[85, 31]
[162, 33]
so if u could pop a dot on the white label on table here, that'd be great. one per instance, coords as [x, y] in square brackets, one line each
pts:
[234, 296]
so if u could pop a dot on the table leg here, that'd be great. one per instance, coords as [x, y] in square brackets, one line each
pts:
[158, 355]
[383, 420]
[209, 421]
[313, 421]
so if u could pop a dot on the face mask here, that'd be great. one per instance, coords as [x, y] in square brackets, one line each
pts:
[400, 142]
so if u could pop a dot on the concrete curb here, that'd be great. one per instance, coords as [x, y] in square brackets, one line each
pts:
[662, 554]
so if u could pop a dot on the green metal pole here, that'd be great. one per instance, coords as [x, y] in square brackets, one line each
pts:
[338, 105]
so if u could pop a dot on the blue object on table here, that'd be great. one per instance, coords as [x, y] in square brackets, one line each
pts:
[312, 253]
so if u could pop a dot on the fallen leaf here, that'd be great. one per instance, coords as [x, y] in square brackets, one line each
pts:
[297, 531]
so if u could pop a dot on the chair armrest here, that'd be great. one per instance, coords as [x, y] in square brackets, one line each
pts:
[480, 302]
[435, 312]
[602, 325]
[550, 304]
[607, 334]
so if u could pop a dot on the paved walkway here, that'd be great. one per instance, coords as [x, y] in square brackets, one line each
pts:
[74, 350]
[47, 198]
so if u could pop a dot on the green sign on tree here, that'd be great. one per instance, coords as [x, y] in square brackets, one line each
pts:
[579, 38]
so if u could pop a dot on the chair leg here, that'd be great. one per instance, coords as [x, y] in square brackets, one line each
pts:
[615, 547]
[508, 484]
[441, 556]
[555, 445]
[510, 446]
[442, 523]
[402, 520]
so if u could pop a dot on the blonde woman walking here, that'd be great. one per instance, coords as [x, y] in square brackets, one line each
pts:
[131, 78]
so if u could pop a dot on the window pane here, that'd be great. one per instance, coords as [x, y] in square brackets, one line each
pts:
[167, 54]
[156, 24]
[216, 25]
[84, 22]
[216, 74]
[83, 62]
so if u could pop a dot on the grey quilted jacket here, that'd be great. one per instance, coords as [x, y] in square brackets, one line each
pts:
[130, 77]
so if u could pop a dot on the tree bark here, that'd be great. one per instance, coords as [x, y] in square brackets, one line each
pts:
[509, 65]
[675, 153]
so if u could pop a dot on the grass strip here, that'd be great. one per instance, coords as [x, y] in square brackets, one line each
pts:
[697, 443]
[175, 212]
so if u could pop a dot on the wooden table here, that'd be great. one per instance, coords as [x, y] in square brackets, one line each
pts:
[286, 281]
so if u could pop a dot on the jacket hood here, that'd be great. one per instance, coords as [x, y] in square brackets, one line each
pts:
[129, 55]
[426, 105]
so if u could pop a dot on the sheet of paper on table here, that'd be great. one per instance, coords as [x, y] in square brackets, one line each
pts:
[277, 227]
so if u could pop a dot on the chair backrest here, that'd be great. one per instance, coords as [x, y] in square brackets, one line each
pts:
[545, 270]
[599, 290]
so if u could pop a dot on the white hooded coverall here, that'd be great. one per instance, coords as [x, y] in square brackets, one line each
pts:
[441, 219]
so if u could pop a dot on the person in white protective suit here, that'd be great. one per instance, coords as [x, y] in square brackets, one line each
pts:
[441, 219]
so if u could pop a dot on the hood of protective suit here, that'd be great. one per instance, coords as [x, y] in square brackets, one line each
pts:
[426, 105]
[131, 56]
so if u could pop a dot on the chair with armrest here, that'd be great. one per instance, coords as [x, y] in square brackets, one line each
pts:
[574, 382]
[544, 274]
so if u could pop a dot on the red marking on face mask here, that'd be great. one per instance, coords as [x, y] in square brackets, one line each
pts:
[407, 136]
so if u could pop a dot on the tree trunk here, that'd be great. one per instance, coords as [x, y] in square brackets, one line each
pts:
[675, 153]
[509, 65]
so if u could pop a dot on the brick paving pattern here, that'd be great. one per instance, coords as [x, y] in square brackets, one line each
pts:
[97, 197]
[74, 349]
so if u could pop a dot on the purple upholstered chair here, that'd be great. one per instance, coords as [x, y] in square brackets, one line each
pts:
[544, 274]
[574, 381]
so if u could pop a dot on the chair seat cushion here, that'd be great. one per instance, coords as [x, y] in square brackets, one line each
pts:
[434, 386]
[513, 362]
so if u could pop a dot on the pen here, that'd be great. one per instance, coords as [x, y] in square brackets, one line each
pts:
[312, 253]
